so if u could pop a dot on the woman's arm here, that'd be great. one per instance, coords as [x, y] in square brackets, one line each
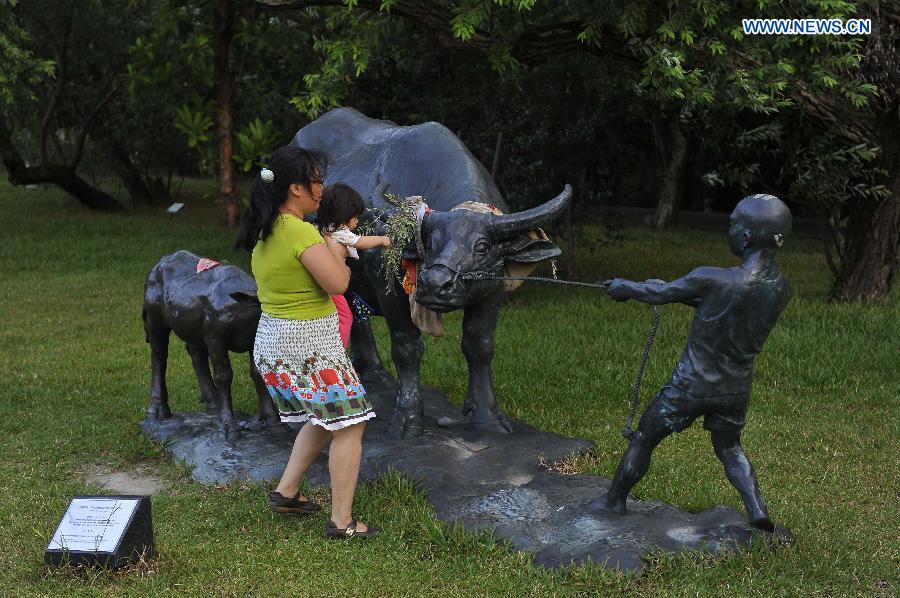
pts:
[326, 267]
[338, 248]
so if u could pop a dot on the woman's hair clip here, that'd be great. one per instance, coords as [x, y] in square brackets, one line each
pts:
[267, 175]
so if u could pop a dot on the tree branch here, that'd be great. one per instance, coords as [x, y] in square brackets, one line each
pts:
[112, 90]
[58, 174]
[532, 47]
[825, 110]
[61, 63]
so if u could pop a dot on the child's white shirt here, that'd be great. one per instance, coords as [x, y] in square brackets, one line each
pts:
[347, 237]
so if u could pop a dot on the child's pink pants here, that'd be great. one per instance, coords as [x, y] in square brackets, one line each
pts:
[345, 317]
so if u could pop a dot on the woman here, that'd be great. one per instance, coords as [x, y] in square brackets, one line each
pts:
[298, 348]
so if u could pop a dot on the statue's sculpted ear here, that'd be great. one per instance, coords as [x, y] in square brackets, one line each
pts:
[245, 299]
[530, 251]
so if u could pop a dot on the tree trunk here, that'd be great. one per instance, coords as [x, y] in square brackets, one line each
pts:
[225, 30]
[63, 176]
[673, 179]
[870, 263]
[139, 190]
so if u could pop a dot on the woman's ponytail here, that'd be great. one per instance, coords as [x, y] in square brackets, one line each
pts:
[269, 190]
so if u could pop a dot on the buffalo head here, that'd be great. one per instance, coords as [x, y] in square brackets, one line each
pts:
[459, 242]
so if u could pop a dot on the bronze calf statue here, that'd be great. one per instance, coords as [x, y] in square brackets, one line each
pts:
[190, 295]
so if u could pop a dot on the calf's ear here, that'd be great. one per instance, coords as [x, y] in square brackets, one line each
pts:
[245, 299]
[530, 251]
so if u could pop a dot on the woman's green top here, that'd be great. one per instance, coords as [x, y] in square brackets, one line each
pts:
[286, 289]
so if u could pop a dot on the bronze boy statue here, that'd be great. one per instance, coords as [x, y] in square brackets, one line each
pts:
[736, 310]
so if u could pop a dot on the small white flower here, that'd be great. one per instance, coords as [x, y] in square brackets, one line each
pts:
[779, 240]
[267, 175]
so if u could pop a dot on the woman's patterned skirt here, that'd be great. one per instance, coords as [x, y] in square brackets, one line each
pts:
[307, 372]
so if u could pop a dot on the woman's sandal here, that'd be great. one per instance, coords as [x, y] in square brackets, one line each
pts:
[282, 504]
[333, 532]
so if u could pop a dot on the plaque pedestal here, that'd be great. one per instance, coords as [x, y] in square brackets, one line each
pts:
[107, 531]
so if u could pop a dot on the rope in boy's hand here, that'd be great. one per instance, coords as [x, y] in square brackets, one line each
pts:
[489, 275]
[627, 431]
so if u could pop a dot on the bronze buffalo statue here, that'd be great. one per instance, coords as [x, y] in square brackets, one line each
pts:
[191, 296]
[377, 157]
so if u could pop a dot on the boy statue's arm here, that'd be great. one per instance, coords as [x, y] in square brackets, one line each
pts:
[689, 289]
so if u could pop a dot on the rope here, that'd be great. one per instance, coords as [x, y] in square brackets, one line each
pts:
[488, 275]
[627, 431]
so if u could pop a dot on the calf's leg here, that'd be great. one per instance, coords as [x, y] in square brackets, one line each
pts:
[223, 376]
[158, 337]
[267, 412]
[209, 394]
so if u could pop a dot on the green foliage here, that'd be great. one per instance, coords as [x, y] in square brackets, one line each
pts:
[173, 65]
[691, 60]
[692, 54]
[255, 143]
[78, 64]
[346, 49]
[746, 149]
[467, 17]
[170, 84]
[327, 87]
[401, 228]
[195, 124]
[20, 69]
[836, 177]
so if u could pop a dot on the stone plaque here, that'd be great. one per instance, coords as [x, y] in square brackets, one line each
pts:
[102, 530]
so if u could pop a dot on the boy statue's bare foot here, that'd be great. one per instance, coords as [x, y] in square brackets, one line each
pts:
[763, 522]
[607, 505]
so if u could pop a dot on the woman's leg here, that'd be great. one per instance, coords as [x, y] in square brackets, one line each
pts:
[343, 465]
[310, 441]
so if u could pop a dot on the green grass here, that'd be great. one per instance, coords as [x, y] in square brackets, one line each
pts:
[74, 383]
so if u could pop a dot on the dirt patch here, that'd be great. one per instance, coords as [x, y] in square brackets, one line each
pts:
[134, 481]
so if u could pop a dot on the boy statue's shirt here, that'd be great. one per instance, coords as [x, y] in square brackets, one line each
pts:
[736, 312]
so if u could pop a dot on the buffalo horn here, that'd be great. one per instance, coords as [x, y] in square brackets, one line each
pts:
[508, 225]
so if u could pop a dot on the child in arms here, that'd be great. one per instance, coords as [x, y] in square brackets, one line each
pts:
[337, 217]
